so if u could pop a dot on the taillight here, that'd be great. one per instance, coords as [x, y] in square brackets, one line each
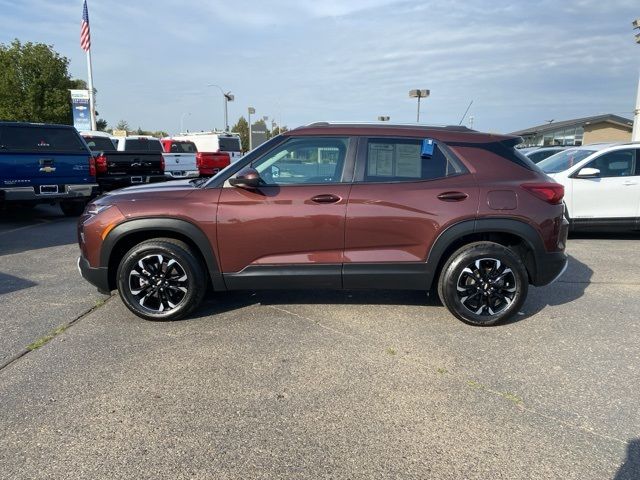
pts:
[161, 163]
[552, 193]
[199, 160]
[92, 166]
[101, 164]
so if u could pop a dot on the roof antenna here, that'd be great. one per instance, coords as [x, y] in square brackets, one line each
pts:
[465, 112]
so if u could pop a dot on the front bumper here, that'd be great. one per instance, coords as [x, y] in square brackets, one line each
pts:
[99, 277]
[65, 192]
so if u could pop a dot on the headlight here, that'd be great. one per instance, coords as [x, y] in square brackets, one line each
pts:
[94, 209]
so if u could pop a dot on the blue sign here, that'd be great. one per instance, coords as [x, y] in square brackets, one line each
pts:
[427, 148]
[80, 108]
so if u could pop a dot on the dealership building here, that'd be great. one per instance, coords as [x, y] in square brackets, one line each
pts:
[581, 131]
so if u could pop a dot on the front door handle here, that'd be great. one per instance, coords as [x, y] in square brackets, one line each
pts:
[452, 196]
[326, 198]
[629, 182]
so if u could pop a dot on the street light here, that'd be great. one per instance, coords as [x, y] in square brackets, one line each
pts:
[635, 134]
[182, 121]
[384, 118]
[250, 111]
[227, 97]
[419, 94]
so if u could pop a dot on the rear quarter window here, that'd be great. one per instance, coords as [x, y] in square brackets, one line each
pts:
[40, 139]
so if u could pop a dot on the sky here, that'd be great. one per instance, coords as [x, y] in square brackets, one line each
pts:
[522, 63]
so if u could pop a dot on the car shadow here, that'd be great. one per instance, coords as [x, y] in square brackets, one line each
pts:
[10, 283]
[43, 226]
[568, 288]
[221, 302]
[630, 469]
[578, 276]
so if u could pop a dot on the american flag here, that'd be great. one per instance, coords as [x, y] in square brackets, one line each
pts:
[85, 35]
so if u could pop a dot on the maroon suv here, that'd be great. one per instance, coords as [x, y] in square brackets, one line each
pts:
[338, 206]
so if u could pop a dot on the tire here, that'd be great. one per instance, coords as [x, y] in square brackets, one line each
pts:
[483, 283]
[161, 260]
[72, 208]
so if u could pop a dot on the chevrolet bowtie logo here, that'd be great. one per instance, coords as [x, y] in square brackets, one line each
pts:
[48, 169]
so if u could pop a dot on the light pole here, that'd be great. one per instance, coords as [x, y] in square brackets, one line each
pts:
[250, 112]
[384, 118]
[226, 97]
[635, 134]
[182, 121]
[419, 94]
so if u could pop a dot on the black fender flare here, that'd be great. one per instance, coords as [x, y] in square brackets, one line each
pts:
[180, 226]
[523, 230]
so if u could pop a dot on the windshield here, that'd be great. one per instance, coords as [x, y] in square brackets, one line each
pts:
[564, 160]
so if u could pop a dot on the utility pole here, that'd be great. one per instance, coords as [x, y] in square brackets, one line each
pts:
[419, 94]
[635, 135]
[226, 97]
[250, 112]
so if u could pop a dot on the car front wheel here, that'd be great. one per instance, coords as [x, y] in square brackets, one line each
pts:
[483, 283]
[161, 279]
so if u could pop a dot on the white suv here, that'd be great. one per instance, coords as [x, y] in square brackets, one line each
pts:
[602, 184]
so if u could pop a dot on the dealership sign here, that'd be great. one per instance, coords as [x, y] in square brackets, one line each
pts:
[80, 108]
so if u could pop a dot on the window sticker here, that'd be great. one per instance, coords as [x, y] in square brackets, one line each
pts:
[380, 160]
[408, 160]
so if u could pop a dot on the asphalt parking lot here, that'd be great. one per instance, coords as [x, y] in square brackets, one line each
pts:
[315, 385]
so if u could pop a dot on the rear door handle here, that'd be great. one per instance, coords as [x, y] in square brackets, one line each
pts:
[326, 198]
[629, 182]
[452, 196]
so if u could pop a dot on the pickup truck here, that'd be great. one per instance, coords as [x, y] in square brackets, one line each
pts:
[131, 163]
[45, 163]
[179, 158]
[216, 150]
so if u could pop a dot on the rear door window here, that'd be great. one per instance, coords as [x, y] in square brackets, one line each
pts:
[400, 160]
[40, 139]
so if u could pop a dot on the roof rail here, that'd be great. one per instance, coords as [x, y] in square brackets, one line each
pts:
[460, 128]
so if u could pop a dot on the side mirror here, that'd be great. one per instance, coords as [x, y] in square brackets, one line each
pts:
[588, 172]
[246, 178]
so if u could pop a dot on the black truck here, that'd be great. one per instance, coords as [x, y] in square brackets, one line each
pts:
[136, 165]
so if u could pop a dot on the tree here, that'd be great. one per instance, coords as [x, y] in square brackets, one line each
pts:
[242, 127]
[122, 125]
[34, 83]
[101, 124]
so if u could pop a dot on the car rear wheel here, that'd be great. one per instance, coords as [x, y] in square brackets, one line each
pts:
[72, 208]
[161, 279]
[483, 283]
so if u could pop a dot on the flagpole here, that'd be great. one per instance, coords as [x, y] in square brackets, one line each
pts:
[92, 110]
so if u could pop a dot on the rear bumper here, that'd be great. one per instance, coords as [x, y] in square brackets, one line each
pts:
[182, 174]
[65, 192]
[122, 181]
[99, 277]
[550, 267]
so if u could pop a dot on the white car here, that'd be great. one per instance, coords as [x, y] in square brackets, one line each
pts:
[215, 142]
[602, 184]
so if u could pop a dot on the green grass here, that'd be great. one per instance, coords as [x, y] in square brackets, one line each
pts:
[46, 339]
